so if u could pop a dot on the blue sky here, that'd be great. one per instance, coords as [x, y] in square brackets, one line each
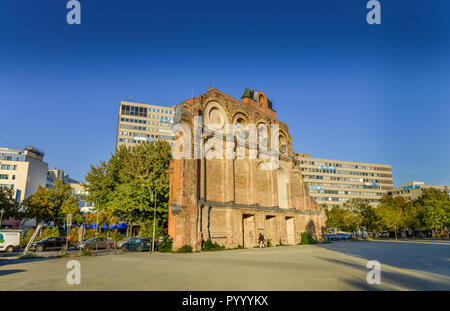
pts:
[348, 90]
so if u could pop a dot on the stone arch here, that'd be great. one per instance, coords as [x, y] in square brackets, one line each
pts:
[265, 133]
[241, 125]
[263, 191]
[283, 201]
[282, 143]
[262, 99]
[215, 116]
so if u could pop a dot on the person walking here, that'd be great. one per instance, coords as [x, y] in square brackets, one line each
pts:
[261, 240]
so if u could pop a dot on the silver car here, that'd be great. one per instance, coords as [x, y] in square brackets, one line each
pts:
[120, 243]
[95, 243]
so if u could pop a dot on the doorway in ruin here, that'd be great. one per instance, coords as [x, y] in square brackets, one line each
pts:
[290, 231]
[271, 232]
[248, 231]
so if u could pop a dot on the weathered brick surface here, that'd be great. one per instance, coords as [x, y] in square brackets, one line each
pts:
[231, 201]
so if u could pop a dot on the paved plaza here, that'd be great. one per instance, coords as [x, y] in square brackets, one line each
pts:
[418, 265]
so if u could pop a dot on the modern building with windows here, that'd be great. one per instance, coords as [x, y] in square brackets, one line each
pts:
[139, 122]
[414, 189]
[335, 182]
[80, 193]
[22, 171]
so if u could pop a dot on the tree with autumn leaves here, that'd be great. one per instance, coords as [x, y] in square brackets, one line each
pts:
[52, 205]
[431, 211]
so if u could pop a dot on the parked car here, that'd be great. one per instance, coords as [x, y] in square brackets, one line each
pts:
[49, 243]
[9, 240]
[344, 236]
[339, 236]
[139, 244]
[122, 242]
[95, 243]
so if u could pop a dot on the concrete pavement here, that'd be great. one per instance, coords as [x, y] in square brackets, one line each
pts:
[334, 266]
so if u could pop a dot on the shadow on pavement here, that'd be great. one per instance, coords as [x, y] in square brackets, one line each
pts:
[407, 280]
[425, 257]
[6, 272]
[5, 262]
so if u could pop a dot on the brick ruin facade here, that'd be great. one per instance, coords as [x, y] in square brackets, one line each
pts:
[232, 200]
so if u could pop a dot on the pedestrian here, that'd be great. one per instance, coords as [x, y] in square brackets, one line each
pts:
[261, 240]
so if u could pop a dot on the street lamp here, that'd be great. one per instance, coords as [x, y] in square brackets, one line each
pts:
[1, 216]
[153, 197]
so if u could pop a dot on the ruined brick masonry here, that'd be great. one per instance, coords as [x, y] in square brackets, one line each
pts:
[232, 200]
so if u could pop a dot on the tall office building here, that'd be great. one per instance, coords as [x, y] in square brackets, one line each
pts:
[414, 189]
[143, 123]
[335, 182]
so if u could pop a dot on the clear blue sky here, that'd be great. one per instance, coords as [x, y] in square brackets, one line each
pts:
[348, 90]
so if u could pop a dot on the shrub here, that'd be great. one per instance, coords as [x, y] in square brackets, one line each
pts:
[185, 249]
[29, 256]
[166, 245]
[269, 243]
[307, 238]
[281, 243]
[87, 252]
[48, 231]
[208, 246]
[25, 238]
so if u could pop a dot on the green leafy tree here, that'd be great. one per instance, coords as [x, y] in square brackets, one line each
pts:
[392, 213]
[434, 209]
[131, 181]
[52, 205]
[10, 206]
[338, 217]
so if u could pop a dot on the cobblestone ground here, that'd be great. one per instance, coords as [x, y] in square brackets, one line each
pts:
[336, 266]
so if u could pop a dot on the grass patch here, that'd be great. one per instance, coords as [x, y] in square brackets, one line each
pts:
[166, 245]
[307, 238]
[185, 249]
[30, 256]
[86, 252]
[210, 246]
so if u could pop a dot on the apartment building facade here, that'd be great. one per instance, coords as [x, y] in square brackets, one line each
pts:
[335, 182]
[139, 122]
[414, 189]
[22, 171]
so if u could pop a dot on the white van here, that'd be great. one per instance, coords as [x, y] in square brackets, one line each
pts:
[9, 240]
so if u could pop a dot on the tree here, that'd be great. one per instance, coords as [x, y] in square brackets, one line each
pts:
[353, 216]
[366, 215]
[391, 213]
[338, 217]
[124, 185]
[52, 205]
[434, 209]
[9, 205]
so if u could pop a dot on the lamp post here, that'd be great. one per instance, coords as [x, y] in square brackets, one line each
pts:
[96, 226]
[154, 221]
[1, 217]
